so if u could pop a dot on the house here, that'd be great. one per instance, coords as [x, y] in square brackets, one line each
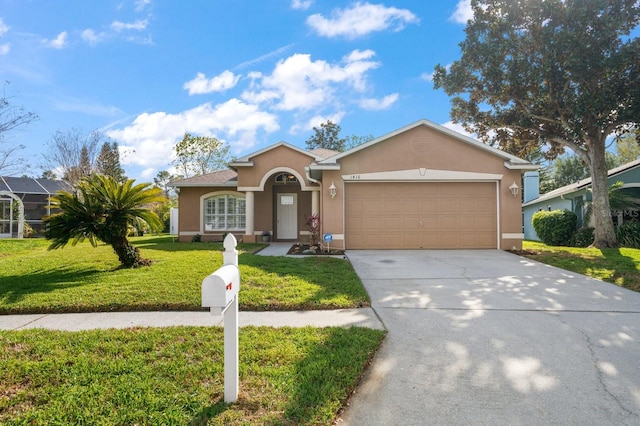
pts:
[575, 196]
[421, 186]
[27, 197]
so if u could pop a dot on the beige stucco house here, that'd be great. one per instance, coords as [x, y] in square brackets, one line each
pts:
[423, 186]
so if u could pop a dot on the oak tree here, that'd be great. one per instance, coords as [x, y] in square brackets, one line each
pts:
[558, 73]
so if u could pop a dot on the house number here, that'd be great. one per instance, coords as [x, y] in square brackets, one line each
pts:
[355, 177]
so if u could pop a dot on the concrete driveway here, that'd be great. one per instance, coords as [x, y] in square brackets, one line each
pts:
[488, 337]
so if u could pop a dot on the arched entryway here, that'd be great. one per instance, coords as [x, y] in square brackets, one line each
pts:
[11, 226]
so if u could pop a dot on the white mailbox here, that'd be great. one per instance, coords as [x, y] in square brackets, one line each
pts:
[220, 288]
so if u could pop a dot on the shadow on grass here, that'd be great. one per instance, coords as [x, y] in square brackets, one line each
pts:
[208, 413]
[164, 243]
[14, 287]
[624, 268]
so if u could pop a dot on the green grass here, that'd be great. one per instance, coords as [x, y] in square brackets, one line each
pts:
[86, 279]
[175, 375]
[620, 266]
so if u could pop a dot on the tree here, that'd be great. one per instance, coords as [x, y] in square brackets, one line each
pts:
[103, 209]
[327, 137]
[162, 180]
[12, 117]
[627, 147]
[72, 154]
[108, 162]
[570, 168]
[355, 140]
[562, 73]
[198, 155]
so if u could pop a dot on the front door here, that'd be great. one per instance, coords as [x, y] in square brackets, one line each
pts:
[287, 213]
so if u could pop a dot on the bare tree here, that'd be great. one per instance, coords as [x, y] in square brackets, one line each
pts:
[72, 153]
[12, 117]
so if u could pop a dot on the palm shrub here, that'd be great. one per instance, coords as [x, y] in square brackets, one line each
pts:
[628, 234]
[103, 209]
[555, 228]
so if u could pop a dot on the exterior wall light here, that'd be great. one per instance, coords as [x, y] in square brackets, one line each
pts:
[333, 190]
[514, 189]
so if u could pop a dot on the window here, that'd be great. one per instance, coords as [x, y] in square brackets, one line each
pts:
[286, 178]
[224, 213]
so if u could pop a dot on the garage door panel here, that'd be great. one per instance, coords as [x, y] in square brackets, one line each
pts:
[421, 215]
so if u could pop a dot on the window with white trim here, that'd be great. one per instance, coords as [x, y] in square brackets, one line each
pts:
[224, 213]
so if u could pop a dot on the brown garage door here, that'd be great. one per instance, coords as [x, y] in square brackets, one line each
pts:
[434, 215]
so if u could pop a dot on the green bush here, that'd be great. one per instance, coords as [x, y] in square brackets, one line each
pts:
[628, 234]
[583, 237]
[555, 228]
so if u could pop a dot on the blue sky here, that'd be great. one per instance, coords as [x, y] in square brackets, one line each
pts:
[251, 73]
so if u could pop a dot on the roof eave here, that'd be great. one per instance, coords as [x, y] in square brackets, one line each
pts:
[203, 185]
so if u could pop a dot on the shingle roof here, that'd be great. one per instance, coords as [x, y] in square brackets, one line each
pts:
[573, 187]
[323, 153]
[220, 178]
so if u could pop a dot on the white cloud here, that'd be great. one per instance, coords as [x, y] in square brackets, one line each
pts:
[458, 128]
[300, 83]
[360, 20]
[138, 25]
[463, 12]
[148, 173]
[141, 4]
[91, 36]
[3, 28]
[83, 106]
[152, 136]
[60, 42]
[5, 48]
[200, 85]
[379, 104]
[316, 121]
[279, 51]
[301, 4]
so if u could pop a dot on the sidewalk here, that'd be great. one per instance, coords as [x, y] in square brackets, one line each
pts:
[363, 317]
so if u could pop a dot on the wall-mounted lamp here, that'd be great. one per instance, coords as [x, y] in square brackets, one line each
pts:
[333, 190]
[514, 189]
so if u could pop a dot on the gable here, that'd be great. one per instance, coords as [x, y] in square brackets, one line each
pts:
[422, 147]
[281, 157]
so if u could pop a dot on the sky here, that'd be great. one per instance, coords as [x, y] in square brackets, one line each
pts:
[250, 73]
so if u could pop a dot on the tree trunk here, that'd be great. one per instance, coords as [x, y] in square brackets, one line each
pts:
[128, 255]
[604, 233]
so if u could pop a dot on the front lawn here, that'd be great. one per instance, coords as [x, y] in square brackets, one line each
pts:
[87, 279]
[619, 266]
[175, 375]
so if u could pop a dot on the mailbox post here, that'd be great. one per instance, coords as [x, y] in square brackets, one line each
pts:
[220, 294]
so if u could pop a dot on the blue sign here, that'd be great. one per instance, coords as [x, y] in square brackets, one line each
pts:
[327, 238]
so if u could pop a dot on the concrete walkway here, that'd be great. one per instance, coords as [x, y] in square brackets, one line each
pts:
[364, 317]
[490, 338]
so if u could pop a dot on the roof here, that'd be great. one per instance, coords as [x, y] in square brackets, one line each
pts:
[581, 184]
[511, 161]
[24, 185]
[220, 178]
[316, 154]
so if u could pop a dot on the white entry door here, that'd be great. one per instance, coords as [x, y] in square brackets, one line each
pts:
[287, 212]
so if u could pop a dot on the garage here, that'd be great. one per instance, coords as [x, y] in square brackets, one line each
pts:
[421, 215]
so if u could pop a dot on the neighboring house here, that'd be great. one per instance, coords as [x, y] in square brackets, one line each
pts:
[421, 186]
[575, 196]
[28, 197]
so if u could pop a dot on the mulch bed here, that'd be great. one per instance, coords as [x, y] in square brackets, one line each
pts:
[307, 250]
